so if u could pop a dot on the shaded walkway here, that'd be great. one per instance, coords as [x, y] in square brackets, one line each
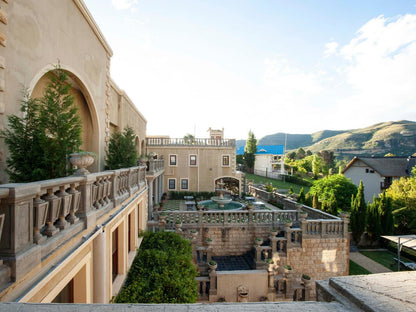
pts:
[367, 263]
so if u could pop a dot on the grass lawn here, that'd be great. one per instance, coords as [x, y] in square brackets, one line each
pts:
[384, 258]
[356, 269]
[276, 183]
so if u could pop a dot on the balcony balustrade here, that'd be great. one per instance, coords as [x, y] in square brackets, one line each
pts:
[40, 216]
[190, 142]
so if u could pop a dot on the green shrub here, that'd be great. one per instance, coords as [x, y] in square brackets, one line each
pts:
[162, 272]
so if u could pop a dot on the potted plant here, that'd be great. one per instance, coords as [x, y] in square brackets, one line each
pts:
[82, 160]
[178, 224]
[258, 241]
[208, 241]
[162, 216]
[274, 232]
[143, 159]
[269, 261]
[212, 264]
[287, 222]
[306, 279]
[287, 268]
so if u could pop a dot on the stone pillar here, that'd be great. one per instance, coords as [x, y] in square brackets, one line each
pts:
[150, 200]
[270, 292]
[212, 285]
[156, 191]
[100, 275]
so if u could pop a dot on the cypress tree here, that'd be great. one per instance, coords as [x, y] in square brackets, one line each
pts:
[358, 214]
[25, 139]
[121, 150]
[61, 123]
[373, 220]
[386, 216]
[315, 201]
[301, 197]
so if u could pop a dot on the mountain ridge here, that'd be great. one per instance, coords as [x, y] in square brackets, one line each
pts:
[396, 137]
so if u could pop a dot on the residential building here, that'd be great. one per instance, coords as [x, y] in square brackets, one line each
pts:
[269, 160]
[377, 173]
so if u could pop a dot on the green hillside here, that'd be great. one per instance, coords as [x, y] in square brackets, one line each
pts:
[397, 137]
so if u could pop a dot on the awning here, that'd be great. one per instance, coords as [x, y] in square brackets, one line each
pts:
[408, 241]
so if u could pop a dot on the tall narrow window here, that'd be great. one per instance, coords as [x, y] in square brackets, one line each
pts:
[184, 184]
[225, 160]
[172, 184]
[192, 160]
[172, 160]
[114, 240]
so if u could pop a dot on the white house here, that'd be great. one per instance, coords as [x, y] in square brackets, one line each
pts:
[377, 173]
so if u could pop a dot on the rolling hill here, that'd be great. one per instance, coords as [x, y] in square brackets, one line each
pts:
[396, 137]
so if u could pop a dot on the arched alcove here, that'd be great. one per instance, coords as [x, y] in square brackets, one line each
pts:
[82, 99]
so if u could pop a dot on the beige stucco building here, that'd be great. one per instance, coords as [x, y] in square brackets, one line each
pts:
[70, 239]
[196, 165]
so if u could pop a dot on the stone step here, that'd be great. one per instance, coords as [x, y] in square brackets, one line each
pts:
[326, 292]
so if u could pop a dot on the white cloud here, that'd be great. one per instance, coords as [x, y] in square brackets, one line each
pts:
[330, 48]
[124, 4]
[381, 69]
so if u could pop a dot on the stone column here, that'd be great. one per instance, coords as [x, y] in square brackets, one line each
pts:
[157, 195]
[150, 200]
[100, 275]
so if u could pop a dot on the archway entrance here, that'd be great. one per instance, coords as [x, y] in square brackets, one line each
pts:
[90, 131]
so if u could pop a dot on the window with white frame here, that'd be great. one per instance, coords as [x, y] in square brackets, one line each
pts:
[184, 184]
[172, 184]
[225, 160]
[192, 160]
[173, 160]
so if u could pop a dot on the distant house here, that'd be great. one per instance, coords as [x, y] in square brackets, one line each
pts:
[269, 159]
[377, 173]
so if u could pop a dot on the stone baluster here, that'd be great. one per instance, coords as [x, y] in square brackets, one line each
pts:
[40, 208]
[53, 212]
[76, 200]
[66, 200]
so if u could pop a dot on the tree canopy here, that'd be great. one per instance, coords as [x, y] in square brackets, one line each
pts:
[337, 186]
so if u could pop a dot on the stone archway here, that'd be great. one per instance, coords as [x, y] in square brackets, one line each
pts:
[82, 99]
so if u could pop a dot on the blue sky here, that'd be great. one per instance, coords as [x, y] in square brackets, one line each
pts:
[266, 65]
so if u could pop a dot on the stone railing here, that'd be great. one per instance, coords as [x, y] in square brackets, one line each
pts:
[42, 215]
[289, 204]
[154, 166]
[325, 228]
[229, 218]
[190, 142]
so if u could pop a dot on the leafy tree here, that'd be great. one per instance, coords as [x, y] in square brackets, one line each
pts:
[328, 157]
[300, 153]
[403, 196]
[291, 155]
[249, 150]
[61, 122]
[339, 185]
[121, 150]
[162, 272]
[374, 229]
[189, 138]
[358, 214]
[49, 130]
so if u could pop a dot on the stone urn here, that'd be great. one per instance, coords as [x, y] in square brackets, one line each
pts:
[178, 226]
[287, 269]
[288, 223]
[306, 279]
[273, 232]
[258, 241]
[212, 265]
[82, 160]
[162, 216]
[303, 215]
